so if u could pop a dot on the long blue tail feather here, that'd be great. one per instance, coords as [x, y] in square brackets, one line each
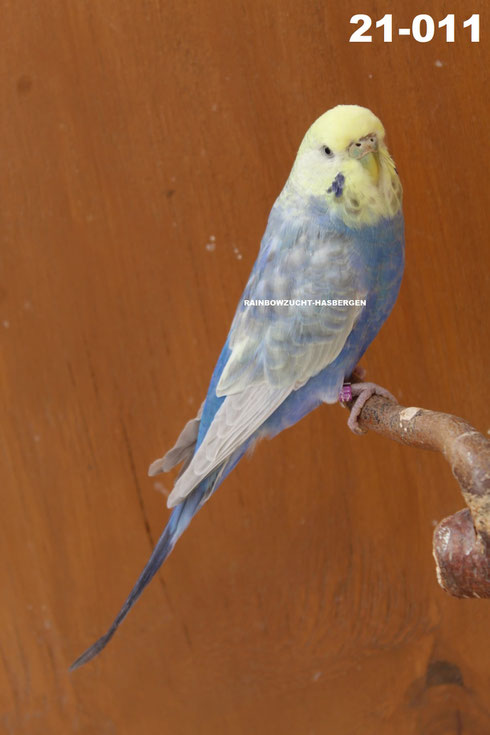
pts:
[178, 522]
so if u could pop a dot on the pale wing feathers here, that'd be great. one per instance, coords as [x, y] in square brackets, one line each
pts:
[284, 345]
[238, 417]
[276, 349]
[182, 451]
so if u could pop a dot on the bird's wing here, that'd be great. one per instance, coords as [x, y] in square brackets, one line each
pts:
[276, 348]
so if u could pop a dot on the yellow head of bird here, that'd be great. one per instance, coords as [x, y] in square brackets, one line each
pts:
[343, 160]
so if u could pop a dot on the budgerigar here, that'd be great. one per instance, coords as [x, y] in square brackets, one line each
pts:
[326, 278]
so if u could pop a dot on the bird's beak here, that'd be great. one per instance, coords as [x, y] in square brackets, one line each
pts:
[365, 150]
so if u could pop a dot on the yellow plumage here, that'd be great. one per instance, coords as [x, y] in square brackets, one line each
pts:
[371, 189]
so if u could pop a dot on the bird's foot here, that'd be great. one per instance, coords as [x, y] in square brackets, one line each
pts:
[360, 393]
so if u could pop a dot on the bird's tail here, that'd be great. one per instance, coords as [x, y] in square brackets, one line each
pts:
[178, 522]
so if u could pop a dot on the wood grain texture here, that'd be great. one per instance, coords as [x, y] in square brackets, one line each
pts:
[132, 134]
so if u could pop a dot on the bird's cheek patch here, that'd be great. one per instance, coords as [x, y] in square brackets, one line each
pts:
[337, 185]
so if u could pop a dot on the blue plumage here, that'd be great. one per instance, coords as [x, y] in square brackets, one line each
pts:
[335, 233]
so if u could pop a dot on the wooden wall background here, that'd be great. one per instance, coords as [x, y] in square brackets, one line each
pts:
[303, 600]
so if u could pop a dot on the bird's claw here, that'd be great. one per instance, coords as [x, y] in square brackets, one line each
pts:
[361, 393]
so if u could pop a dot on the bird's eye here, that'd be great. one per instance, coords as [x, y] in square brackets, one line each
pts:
[328, 151]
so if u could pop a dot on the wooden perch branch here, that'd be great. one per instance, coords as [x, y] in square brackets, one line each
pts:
[461, 542]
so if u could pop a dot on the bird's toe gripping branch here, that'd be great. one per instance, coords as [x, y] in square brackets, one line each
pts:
[360, 393]
[461, 542]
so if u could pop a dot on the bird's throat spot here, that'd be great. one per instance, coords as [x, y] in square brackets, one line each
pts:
[337, 185]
